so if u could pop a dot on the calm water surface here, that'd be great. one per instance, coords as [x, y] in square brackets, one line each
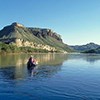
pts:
[57, 77]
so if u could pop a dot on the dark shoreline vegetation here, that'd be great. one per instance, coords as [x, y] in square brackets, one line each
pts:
[10, 48]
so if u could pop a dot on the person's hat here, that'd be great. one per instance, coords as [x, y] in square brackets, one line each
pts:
[31, 56]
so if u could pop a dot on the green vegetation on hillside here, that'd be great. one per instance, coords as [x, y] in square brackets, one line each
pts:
[9, 48]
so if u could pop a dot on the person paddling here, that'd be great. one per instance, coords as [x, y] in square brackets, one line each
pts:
[31, 62]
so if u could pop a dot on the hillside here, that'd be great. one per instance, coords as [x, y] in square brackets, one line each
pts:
[97, 51]
[33, 37]
[82, 48]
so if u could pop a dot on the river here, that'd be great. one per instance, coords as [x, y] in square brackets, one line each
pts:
[57, 77]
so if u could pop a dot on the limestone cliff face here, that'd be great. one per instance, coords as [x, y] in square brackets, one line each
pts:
[20, 43]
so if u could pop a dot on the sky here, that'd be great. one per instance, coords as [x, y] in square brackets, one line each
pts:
[77, 21]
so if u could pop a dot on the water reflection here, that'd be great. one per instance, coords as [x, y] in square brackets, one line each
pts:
[21, 60]
[58, 76]
[32, 71]
[12, 72]
[12, 60]
[91, 58]
[15, 66]
[8, 73]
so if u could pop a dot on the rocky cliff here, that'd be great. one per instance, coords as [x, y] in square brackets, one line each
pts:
[33, 37]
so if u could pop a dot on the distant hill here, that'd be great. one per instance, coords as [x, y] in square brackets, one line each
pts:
[82, 48]
[33, 37]
[97, 51]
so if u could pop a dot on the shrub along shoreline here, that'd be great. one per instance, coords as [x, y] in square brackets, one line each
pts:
[10, 48]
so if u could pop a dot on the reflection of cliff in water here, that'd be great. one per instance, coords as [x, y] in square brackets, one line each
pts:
[13, 72]
[21, 60]
[48, 71]
[8, 73]
[91, 58]
[14, 66]
[51, 59]
[12, 60]
[16, 73]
